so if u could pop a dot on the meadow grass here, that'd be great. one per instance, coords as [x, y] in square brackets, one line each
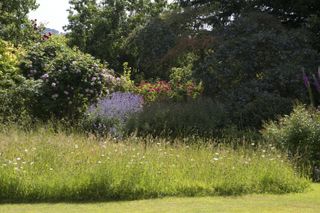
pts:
[50, 166]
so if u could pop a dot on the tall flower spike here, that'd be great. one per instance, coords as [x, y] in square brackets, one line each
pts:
[305, 79]
[307, 84]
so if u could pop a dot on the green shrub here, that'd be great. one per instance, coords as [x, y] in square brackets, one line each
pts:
[254, 55]
[9, 65]
[195, 117]
[18, 102]
[180, 74]
[71, 80]
[249, 108]
[17, 95]
[299, 133]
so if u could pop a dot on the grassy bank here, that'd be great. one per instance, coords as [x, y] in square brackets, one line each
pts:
[47, 166]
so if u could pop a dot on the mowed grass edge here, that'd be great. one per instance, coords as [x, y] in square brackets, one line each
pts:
[287, 203]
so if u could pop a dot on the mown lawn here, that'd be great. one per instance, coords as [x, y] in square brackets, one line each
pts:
[300, 202]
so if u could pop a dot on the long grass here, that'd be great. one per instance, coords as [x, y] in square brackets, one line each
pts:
[44, 165]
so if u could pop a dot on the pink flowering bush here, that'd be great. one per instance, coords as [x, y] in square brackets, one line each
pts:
[71, 80]
[162, 90]
[180, 87]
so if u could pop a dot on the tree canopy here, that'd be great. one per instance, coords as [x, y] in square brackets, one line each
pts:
[14, 23]
[101, 28]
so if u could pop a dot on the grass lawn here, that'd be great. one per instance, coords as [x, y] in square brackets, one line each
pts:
[301, 202]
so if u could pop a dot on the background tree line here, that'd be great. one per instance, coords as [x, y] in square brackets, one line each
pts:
[247, 53]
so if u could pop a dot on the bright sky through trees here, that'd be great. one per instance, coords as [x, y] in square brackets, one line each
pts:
[52, 13]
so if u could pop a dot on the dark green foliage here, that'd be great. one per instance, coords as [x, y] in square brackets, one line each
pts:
[18, 102]
[298, 133]
[202, 117]
[256, 48]
[314, 27]
[252, 107]
[202, 10]
[291, 13]
[255, 60]
[70, 79]
[102, 28]
[149, 45]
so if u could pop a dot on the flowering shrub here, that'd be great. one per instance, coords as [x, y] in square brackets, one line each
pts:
[182, 81]
[71, 80]
[163, 90]
[118, 105]
[110, 113]
[157, 91]
[180, 87]
[188, 89]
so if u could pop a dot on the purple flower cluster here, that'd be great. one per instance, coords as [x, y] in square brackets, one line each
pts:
[316, 80]
[312, 85]
[305, 79]
[119, 105]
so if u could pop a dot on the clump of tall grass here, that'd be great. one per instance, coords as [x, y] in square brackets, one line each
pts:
[45, 165]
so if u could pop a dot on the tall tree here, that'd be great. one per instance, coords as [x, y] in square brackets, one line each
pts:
[292, 13]
[14, 23]
[82, 17]
[101, 28]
